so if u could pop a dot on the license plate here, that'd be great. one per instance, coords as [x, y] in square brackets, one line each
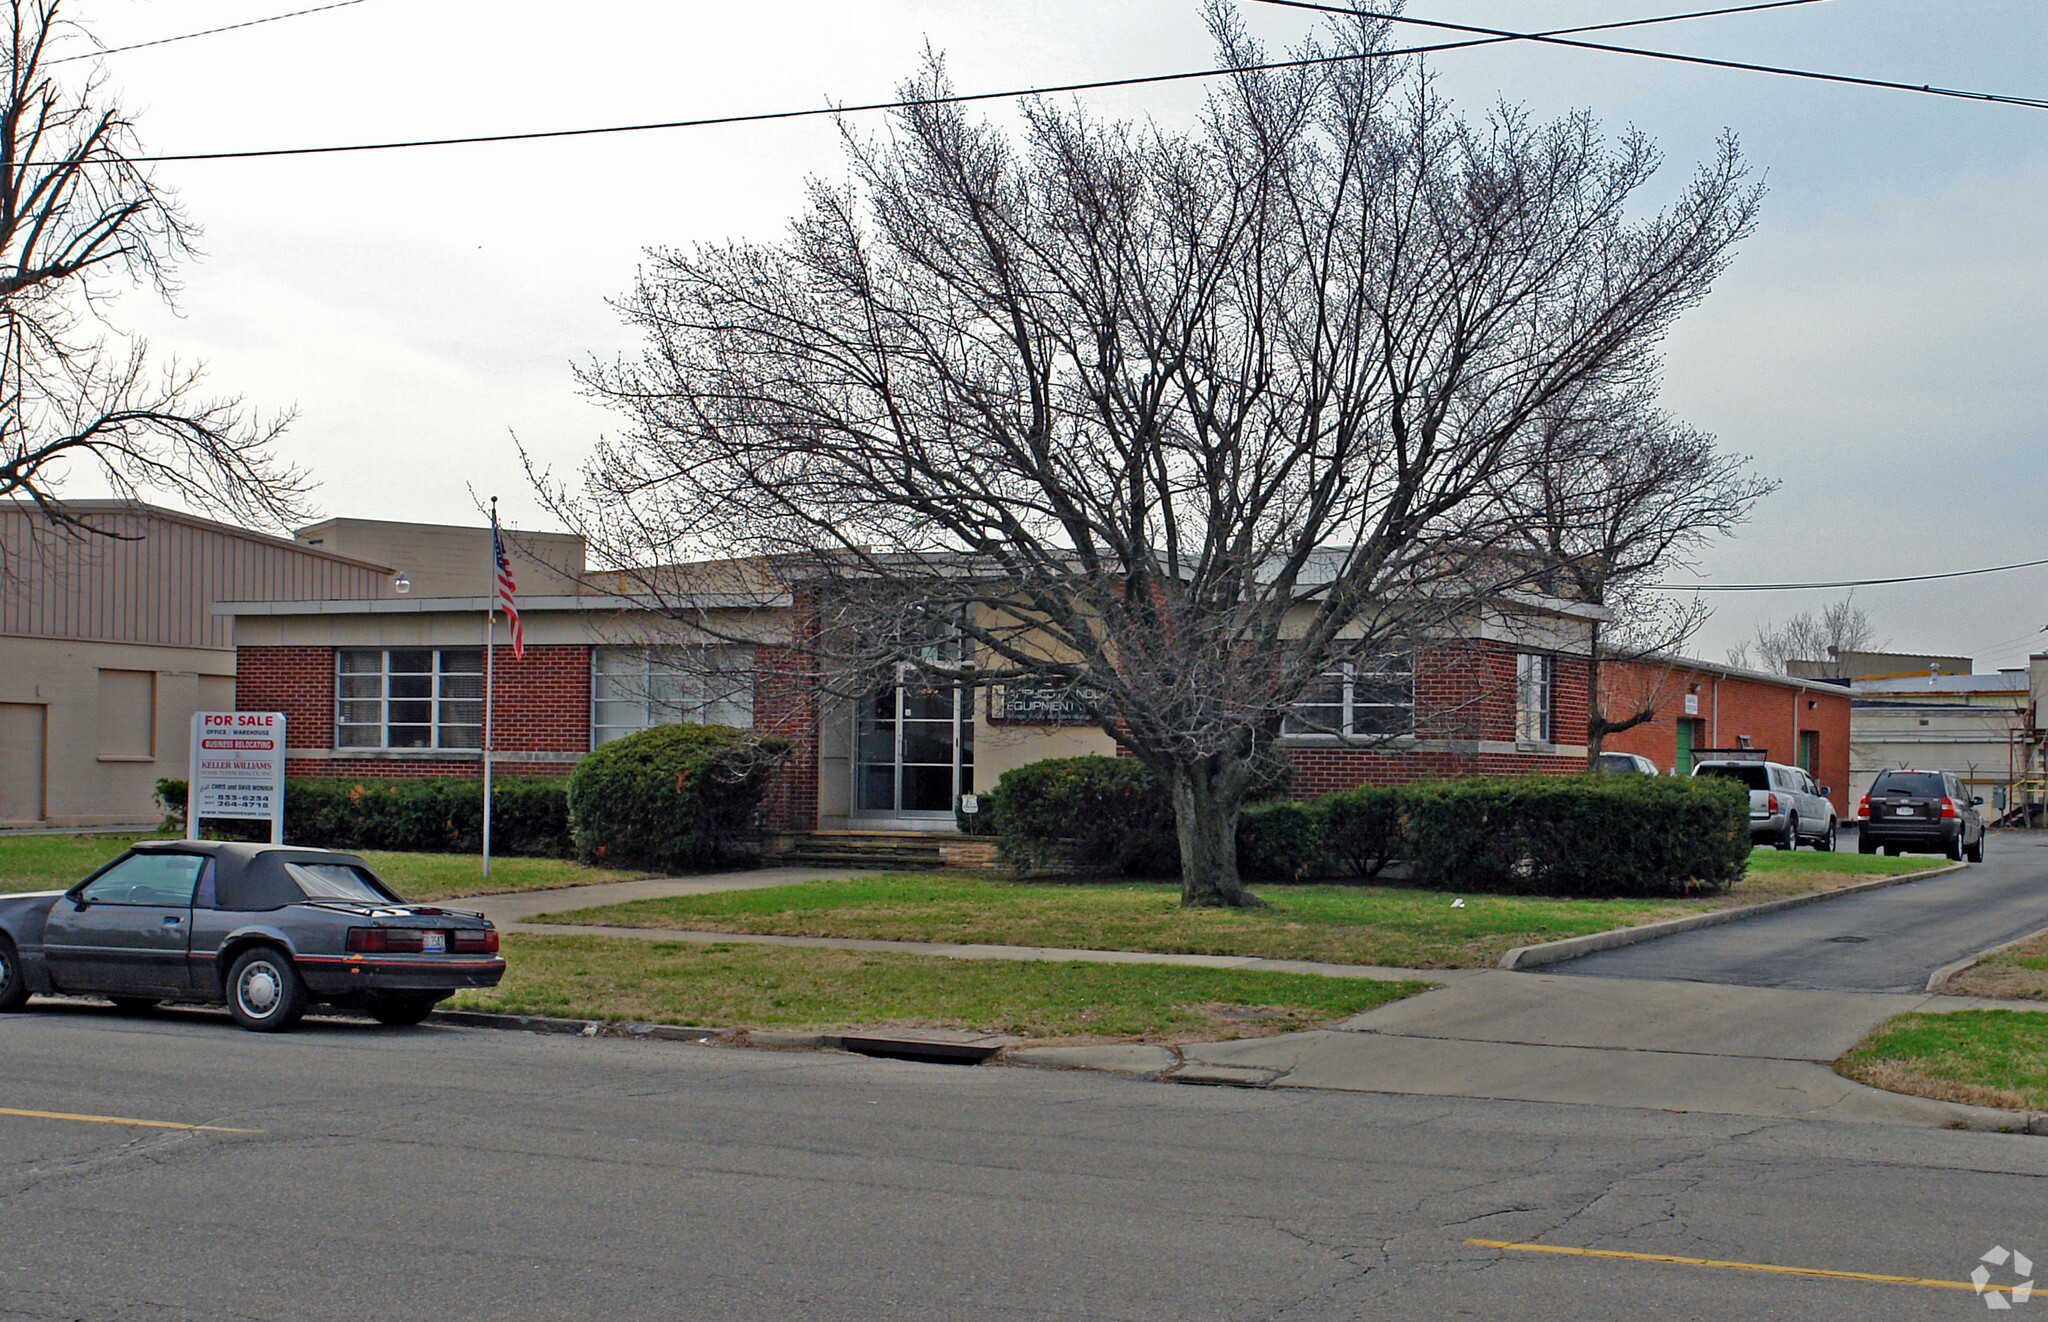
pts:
[434, 943]
[1902, 812]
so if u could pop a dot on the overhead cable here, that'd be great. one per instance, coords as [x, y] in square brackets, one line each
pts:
[1843, 583]
[232, 27]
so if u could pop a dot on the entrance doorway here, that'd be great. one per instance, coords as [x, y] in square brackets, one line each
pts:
[913, 757]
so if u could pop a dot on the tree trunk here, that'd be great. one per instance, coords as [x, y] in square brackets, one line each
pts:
[1207, 796]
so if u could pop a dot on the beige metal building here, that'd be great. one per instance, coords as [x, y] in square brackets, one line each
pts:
[108, 645]
[1979, 726]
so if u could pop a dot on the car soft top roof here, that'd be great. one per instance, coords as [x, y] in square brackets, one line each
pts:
[252, 876]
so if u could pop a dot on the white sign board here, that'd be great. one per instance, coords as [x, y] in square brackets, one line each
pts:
[1692, 704]
[237, 769]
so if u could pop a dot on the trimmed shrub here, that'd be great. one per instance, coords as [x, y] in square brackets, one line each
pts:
[1586, 835]
[672, 797]
[529, 815]
[1281, 841]
[1362, 828]
[1092, 812]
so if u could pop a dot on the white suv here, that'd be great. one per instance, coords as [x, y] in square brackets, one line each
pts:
[1785, 806]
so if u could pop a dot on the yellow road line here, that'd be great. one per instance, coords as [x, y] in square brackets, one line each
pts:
[122, 1120]
[1716, 1262]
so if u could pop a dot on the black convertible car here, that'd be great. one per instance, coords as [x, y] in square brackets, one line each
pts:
[267, 929]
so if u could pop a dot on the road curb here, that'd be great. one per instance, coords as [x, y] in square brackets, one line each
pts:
[1939, 978]
[1553, 952]
[533, 1023]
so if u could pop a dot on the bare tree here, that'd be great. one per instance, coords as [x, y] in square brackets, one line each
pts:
[80, 219]
[1620, 493]
[1842, 626]
[1182, 422]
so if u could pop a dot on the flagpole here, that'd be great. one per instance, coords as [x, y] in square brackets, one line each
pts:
[490, 647]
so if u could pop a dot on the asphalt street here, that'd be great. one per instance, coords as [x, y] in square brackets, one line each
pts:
[448, 1173]
[1884, 940]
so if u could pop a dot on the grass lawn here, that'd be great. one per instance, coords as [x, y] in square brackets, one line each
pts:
[749, 986]
[2018, 974]
[1981, 1057]
[52, 862]
[1338, 924]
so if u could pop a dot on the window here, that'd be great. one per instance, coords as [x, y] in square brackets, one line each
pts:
[1533, 682]
[634, 688]
[1370, 698]
[409, 697]
[127, 714]
[163, 880]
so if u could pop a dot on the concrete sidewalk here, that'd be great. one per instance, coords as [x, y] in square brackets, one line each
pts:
[1489, 1033]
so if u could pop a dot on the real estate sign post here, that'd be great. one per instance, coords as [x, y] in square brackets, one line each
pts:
[237, 769]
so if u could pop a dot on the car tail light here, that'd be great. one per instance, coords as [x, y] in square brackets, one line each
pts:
[1948, 807]
[1773, 808]
[1863, 808]
[385, 941]
[474, 943]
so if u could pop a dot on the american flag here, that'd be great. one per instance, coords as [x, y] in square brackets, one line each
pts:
[505, 588]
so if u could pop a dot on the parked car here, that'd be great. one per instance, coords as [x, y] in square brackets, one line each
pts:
[268, 930]
[1920, 812]
[1785, 806]
[1627, 764]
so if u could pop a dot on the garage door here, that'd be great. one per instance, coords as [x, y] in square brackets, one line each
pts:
[21, 763]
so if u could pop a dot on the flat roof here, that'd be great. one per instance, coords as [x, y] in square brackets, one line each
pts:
[584, 603]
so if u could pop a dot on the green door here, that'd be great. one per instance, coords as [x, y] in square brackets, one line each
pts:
[1809, 752]
[1682, 766]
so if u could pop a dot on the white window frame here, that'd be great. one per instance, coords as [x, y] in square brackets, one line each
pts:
[1535, 697]
[439, 701]
[1348, 677]
[624, 686]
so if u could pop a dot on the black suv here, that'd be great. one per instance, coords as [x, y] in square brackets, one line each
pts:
[1920, 812]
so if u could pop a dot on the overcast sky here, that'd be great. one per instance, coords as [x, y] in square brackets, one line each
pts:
[1877, 347]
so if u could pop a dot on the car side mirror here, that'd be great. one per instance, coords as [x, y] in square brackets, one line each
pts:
[1977, 802]
[1827, 789]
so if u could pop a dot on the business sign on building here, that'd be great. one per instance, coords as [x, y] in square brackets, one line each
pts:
[1028, 703]
[237, 770]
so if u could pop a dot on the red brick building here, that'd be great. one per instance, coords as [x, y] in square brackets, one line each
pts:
[1700, 705]
[394, 687]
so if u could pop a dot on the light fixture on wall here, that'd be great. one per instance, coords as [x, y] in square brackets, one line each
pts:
[401, 584]
[1692, 688]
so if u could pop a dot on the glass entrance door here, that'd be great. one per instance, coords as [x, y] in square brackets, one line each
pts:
[913, 755]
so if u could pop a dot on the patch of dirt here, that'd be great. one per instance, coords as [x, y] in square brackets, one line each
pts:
[1999, 980]
[1894, 1076]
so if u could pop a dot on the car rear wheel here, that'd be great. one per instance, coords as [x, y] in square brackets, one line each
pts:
[133, 1004]
[13, 987]
[401, 1011]
[1790, 840]
[1864, 844]
[265, 994]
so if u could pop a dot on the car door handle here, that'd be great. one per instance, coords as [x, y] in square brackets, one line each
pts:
[172, 918]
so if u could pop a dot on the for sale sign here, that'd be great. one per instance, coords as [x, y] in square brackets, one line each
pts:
[237, 769]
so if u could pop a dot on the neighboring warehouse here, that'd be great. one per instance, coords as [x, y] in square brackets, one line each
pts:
[107, 647]
[1704, 709]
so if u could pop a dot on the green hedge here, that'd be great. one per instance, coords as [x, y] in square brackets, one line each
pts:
[1363, 829]
[1588, 835]
[430, 814]
[672, 797]
[1091, 812]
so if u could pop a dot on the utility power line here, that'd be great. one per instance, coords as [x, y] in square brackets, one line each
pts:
[1843, 583]
[1485, 37]
[232, 27]
[1562, 39]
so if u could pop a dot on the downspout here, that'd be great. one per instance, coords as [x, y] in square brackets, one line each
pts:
[1717, 711]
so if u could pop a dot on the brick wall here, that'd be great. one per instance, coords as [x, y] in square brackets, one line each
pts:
[540, 704]
[1731, 707]
[786, 704]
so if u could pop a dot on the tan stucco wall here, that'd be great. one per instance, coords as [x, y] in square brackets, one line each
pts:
[81, 789]
[446, 561]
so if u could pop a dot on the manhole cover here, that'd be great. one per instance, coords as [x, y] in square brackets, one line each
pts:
[1847, 940]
